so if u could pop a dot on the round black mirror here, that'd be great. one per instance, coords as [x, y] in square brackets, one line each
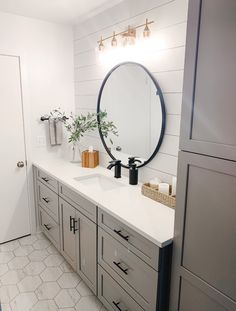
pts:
[133, 101]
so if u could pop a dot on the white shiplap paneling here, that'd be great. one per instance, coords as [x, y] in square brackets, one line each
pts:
[166, 63]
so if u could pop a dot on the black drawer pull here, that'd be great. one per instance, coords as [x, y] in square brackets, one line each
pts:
[48, 227]
[74, 223]
[46, 200]
[71, 226]
[126, 238]
[118, 264]
[45, 179]
[116, 304]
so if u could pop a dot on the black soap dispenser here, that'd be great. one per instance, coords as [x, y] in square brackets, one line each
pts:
[133, 171]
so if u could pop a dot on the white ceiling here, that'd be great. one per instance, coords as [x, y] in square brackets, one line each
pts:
[59, 11]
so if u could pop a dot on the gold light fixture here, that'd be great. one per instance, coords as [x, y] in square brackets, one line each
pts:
[147, 31]
[114, 40]
[128, 35]
[101, 46]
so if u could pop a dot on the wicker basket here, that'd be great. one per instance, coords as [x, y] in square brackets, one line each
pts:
[153, 193]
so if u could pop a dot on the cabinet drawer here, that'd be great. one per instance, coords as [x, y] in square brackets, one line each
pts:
[112, 255]
[47, 180]
[49, 200]
[84, 206]
[112, 295]
[49, 227]
[139, 245]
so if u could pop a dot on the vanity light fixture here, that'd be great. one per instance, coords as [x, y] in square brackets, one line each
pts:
[101, 46]
[128, 35]
[147, 31]
[114, 40]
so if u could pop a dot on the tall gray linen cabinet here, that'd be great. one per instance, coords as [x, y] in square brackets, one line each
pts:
[204, 253]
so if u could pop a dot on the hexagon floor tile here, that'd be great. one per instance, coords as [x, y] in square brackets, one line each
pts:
[24, 301]
[23, 250]
[69, 280]
[51, 274]
[34, 268]
[18, 263]
[29, 283]
[47, 290]
[35, 277]
[67, 298]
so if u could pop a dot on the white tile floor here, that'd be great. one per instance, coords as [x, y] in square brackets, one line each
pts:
[35, 277]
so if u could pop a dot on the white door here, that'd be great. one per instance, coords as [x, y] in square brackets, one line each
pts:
[14, 209]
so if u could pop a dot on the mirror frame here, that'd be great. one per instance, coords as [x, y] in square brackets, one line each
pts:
[163, 110]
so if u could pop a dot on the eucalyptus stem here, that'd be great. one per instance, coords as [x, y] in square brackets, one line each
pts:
[78, 125]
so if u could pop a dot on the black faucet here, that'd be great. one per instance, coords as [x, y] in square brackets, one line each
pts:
[133, 170]
[117, 164]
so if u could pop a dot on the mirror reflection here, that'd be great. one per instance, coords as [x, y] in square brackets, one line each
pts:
[134, 102]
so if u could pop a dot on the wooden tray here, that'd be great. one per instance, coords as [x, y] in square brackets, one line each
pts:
[153, 193]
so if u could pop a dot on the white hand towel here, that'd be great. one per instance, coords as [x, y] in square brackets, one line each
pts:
[52, 132]
[58, 132]
[55, 132]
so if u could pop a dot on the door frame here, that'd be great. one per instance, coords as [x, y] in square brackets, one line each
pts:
[25, 106]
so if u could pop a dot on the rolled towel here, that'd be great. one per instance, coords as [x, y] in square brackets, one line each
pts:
[155, 182]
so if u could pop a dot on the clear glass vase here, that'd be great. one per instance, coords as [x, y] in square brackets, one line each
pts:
[75, 153]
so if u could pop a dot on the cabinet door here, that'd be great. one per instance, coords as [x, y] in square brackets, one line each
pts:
[86, 244]
[67, 216]
[205, 231]
[192, 298]
[208, 115]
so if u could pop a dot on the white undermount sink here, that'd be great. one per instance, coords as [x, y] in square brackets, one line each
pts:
[100, 182]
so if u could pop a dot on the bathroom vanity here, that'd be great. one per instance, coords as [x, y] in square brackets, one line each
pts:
[118, 241]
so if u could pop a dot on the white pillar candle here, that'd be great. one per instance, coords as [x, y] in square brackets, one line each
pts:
[164, 188]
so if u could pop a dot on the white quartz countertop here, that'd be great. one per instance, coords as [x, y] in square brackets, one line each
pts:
[151, 219]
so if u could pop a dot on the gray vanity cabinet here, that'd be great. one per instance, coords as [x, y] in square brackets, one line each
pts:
[79, 243]
[86, 246]
[50, 227]
[47, 180]
[114, 296]
[46, 199]
[69, 221]
[119, 261]
[68, 237]
[133, 273]
[208, 114]
[123, 268]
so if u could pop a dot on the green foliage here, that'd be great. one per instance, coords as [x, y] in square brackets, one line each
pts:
[78, 125]
[106, 127]
[56, 114]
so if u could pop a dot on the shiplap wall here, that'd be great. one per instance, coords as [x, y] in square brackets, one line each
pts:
[167, 65]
